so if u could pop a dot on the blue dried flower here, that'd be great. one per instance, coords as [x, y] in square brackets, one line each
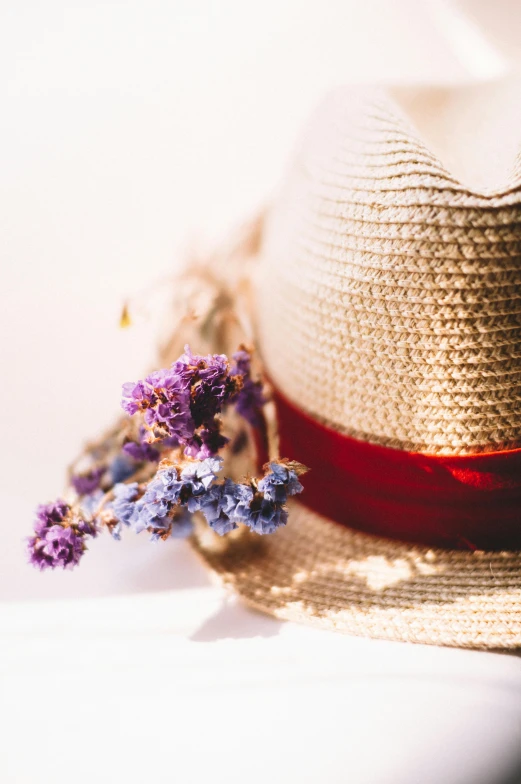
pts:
[121, 468]
[166, 486]
[197, 478]
[182, 524]
[161, 496]
[123, 506]
[229, 503]
[149, 514]
[279, 483]
[169, 490]
[90, 503]
[225, 505]
[210, 503]
[237, 498]
[216, 517]
[181, 527]
[265, 516]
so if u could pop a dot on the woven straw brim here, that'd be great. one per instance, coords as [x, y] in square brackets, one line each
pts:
[321, 573]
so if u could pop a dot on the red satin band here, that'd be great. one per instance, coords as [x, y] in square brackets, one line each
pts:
[464, 502]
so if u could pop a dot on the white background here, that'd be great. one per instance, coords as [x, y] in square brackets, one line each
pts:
[129, 131]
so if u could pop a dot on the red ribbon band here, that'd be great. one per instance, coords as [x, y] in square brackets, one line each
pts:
[464, 502]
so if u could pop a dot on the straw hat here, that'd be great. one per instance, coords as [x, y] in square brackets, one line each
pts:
[388, 315]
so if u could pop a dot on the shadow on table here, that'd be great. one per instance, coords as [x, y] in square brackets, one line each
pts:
[234, 621]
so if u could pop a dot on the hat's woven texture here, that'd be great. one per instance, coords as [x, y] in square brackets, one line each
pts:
[388, 307]
[389, 300]
[316, 571]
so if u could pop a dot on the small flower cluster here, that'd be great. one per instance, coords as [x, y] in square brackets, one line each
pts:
[59, 536]
[116, 462]
[250, 399]
[183, 402]
[167, 470]
[165, 507]
[260, 505]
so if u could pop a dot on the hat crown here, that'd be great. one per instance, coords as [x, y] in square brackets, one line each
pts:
[389, 292]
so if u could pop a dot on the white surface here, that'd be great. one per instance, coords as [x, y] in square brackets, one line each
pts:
[128, 128]
[182, 686]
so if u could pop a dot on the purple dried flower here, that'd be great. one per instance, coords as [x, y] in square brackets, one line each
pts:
[227, 504]
[86, 483]
[171, 414]
[207, 443]
[141, 453]
[212, 386]
[250, 398]
[57, 546]
[180, 407]
[59, 537]
[166, 486]
[184, 401]
[50, 514]
[164, 398]
[141, 450]
[210, 503]
[136, 397]
[86, 527]
[250, 402]
[242, 360]
[222, 525]
[166, 505]
[171, 442]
